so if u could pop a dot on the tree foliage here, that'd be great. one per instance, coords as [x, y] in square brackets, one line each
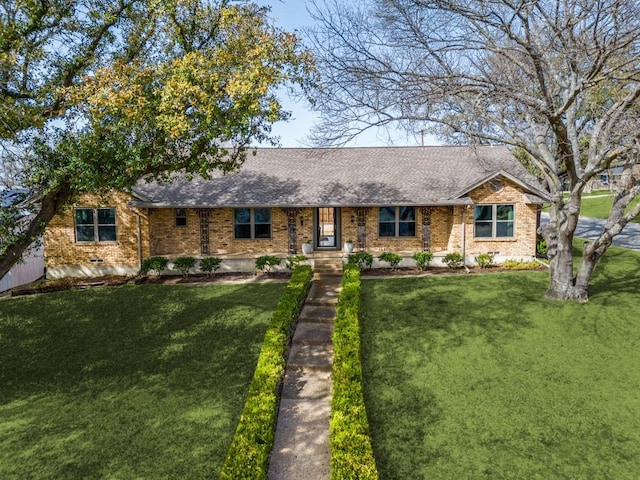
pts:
[558, 80]
[96, 94]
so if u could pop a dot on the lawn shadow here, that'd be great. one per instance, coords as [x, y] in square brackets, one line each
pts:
[617, 273]
[408, 322]
[60, 340]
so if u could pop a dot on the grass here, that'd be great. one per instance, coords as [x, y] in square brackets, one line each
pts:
[127, 382]
[479, 377]
[598, 205]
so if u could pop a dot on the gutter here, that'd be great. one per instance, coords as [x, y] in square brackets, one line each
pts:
[464, 239]
[138, 237]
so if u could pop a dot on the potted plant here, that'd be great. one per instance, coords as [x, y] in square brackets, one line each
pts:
[348, 246]
[307, 247]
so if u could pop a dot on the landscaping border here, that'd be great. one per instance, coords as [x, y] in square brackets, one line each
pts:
[248, 454]
[351, 451]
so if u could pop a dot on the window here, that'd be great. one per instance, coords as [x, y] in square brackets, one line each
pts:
[494, 221]
[252, 223]
[181, 217]
[95, 224]
[397, 222]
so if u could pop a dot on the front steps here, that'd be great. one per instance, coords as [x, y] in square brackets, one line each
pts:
[327, 267]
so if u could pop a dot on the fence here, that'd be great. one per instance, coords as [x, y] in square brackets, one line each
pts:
[29, 271]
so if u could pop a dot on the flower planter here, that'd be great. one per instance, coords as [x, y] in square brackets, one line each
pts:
[307, 248]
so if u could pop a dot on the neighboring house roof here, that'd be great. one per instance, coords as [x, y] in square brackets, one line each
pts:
[13, 197]
[344, 177]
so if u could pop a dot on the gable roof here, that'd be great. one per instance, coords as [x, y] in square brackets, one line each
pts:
[343, 177]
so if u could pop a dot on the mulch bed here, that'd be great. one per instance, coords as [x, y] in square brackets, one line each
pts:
[47, 286]
[412, 271]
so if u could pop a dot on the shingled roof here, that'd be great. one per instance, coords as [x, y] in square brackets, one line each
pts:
[344, 177]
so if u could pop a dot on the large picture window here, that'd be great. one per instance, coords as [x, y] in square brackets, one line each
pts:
[397, 222]
[95, 224]
[251, 223]
[494, 221]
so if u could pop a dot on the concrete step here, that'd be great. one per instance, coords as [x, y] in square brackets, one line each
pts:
[324, 293]
[301, 447]
[316, 357]
[313, 333]
[317, 313]
[305, 383]
[328, 267]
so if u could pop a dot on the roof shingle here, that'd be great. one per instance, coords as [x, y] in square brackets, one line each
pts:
[341, 177]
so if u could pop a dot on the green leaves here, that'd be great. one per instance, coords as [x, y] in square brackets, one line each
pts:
[140, 89]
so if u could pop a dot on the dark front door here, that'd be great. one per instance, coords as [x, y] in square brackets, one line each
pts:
[327, 228]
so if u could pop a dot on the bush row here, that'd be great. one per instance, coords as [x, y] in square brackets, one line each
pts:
[210, 265]
[351, 452]
[453, 260]
[248, 455]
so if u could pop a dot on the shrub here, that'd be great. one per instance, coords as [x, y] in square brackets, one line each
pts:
[522, 265]
[154, 264]
[393, 259]
[293, 261]
[248, 454]
[422, 259]
[184, 264]
[453, 260]
[210, 265]
[541, 248]
[361, 260]
[484, 260]
[350, 445]
[266, 262]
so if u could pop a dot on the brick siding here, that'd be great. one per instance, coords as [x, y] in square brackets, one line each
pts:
[62, 250]
[160, 235]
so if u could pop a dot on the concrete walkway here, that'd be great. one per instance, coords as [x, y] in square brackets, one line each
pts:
[301, 447]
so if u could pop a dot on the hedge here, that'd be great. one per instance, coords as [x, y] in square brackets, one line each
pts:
[351, 452]
[248, 455]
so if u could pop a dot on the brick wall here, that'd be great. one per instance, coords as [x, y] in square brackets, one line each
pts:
[160, 235]
[171, 240]
[62, 250]
[439, 238]
[523, 244]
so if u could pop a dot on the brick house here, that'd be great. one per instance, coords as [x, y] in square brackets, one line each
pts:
[399, 199]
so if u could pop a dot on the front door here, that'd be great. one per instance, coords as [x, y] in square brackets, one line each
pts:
[327, 227]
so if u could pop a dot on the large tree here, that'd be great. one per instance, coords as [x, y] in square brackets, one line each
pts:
[558, 79]
[95, 94]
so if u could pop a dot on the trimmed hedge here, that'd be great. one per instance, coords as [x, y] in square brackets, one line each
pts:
[248, 455]
[351, 452]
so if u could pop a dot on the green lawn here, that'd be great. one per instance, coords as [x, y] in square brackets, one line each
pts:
[598, 205]
[479, 377]
[127, 382]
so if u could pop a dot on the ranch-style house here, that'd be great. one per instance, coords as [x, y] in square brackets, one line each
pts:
[470, 200]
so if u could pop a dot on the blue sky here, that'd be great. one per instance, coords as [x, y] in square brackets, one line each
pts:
[292, 15]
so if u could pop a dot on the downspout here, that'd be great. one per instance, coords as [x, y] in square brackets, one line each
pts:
[139, 241]
[464, 238]
[139, 238]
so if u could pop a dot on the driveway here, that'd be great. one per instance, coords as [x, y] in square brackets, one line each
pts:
[591, 228]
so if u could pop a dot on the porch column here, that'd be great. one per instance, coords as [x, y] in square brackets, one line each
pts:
[203, 213]
[361, 235]
[292, 228]
[426, 228]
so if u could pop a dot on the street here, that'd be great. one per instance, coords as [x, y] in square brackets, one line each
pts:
[590, 228]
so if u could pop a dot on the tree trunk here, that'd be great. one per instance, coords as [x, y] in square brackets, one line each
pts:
[49, 206]
[563, 283]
